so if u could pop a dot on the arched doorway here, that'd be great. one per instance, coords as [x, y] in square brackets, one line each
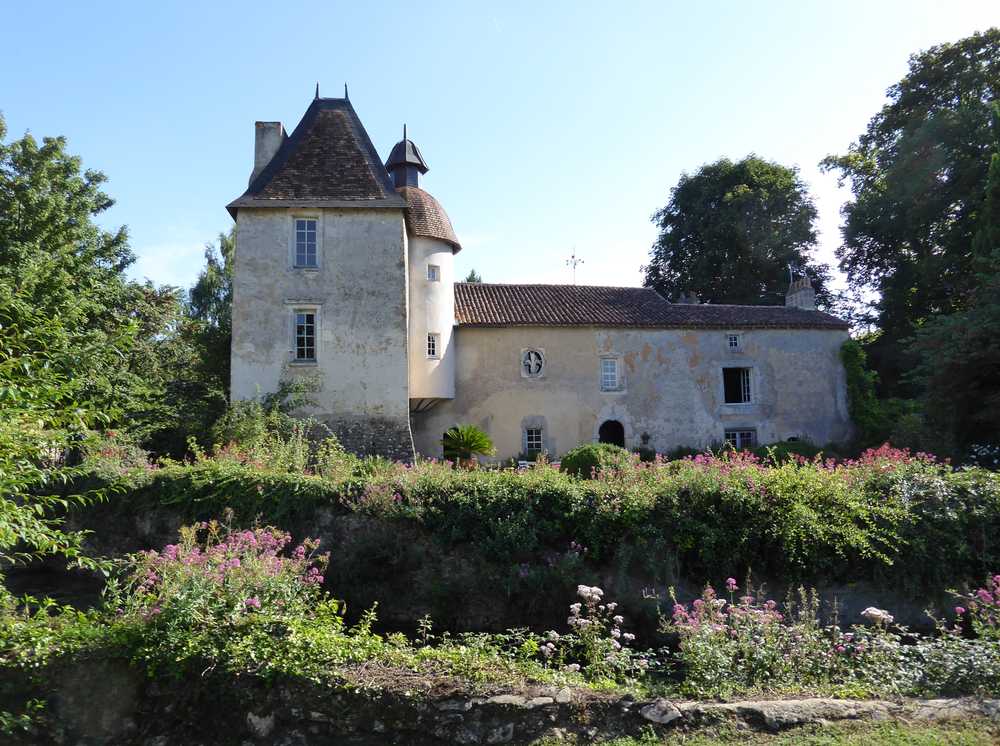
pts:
[612, 431]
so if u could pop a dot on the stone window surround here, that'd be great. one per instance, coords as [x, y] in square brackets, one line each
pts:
[755, 388]
[294, 215]
[535, 422]
[620, 388]
[293, 308]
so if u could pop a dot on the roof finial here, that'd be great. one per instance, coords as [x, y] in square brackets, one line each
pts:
[317, 90]
[346, 97]
[404, 131]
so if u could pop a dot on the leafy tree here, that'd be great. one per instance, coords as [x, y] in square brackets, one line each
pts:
[473, 276]
[918, 176]
[463, 443]
[958, 354]
[730, 232]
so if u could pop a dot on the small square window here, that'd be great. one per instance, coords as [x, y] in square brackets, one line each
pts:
[736, 385]
[532, 439]
[741, 438]
[305, 336]
[305, 243]
[433, 273]
[733, 341]
[610, 376]
[433, 345]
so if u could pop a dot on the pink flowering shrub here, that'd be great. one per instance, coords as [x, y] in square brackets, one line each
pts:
[187, 598]
[982, 609]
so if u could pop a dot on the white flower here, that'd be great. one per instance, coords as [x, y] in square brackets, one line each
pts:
[553, 636]
[616, 633]
[618, 619]
[628, 637]
[573, 667]
[612, 606]
[575, 608]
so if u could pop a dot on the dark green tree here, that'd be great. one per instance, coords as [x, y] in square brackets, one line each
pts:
[730, 232]
[958, 354]
[918, 177]
[473, 276]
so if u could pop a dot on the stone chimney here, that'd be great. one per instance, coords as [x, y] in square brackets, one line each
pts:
[268, 137]
[801, 294]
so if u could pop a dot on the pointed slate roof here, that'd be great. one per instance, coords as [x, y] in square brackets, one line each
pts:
[329, 161]
[494, 305]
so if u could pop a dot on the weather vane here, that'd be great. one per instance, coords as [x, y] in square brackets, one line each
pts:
[573, 262]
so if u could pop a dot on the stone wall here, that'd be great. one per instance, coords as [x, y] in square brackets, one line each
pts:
[108, 702]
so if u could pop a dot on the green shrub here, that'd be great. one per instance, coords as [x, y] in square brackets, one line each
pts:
[588, 460]
[784, 450]
[646, 455]
[463, 443]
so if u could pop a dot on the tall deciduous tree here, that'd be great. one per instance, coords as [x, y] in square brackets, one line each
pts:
[730, 232]
[918, 176]
[958, 354]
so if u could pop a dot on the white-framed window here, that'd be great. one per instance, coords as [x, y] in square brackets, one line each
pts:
[532, 363]
[433, 345]
[737, 385]
[433, 273]
[741, 438]
[533, 440]
[306, 254]
[611, 379]
[305, 335]
[734, 342]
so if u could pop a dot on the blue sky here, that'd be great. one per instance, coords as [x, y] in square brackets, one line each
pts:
[547, 126]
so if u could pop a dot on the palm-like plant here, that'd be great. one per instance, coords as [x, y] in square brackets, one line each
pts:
[463, 443]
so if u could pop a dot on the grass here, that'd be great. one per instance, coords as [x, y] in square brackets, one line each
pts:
[956, 733]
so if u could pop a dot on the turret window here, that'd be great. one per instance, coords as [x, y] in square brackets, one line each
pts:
[433, 273]
[433, 345]
[305, 243]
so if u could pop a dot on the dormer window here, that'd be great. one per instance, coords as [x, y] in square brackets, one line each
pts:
[305, 243]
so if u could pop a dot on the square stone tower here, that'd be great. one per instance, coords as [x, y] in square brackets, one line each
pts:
[320, 278]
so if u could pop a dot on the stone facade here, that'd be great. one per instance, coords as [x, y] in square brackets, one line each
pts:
[359, 295]
[671, 391]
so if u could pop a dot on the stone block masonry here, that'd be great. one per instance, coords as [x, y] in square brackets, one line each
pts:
[374, 436]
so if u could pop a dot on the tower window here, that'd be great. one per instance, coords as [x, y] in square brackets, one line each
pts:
[610, 374]
[305, 336]
[433, 345]
[433, 273]
[736, 385]
[305, 243]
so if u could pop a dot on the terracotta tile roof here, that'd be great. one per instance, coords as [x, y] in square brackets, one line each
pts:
[425, 216]
[482, 304]
[328, 161]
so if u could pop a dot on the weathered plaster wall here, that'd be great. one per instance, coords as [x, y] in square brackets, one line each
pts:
[359, 291]
[673, 387]
[432, 310]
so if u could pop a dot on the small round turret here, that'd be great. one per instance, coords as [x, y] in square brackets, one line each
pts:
[405, 163]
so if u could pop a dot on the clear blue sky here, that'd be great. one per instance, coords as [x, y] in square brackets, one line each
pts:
[547, 126]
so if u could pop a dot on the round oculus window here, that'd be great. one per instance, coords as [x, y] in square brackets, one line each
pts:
[532, 363]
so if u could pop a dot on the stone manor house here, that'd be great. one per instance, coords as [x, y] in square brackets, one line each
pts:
[344, 272]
